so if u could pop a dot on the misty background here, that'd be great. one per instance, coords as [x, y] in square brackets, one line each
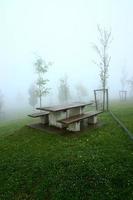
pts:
[61, 32]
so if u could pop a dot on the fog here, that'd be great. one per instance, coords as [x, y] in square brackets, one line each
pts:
[61, 32]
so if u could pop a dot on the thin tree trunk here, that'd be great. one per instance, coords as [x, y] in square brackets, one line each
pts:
[103, 99]
[107, 99]
[40, 102]
[40, 97]
[95, 100]
[104, 76]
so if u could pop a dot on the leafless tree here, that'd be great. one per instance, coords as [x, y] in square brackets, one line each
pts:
[104, 41]
[82, 91]
[123, 79]
[41, 69]
[32, 95]
[64, 91]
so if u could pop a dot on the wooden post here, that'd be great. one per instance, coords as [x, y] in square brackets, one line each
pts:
[104, 99]
[107, 94]
[95, 99]
[123, 95]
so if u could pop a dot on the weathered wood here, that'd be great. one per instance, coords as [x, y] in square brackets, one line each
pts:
[39, 114]
[64, 107]
[77, 118]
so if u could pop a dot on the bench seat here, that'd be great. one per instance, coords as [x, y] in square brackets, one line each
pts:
[76, 118]
[38, 114]
[73, 123]
[44, 116]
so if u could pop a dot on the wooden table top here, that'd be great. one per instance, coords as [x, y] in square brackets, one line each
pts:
[65, 106]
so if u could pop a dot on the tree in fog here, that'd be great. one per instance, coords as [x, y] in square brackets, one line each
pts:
[33, 99]
[123, 79]
[41, 70]
[104, 41]
[82, 91]
[1, 101]
[130, 82]
[63, 90]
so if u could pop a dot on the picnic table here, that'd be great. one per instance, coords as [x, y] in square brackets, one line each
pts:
[61, 112]
[69, 116]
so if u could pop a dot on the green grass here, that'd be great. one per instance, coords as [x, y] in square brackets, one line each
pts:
[94, 165]
[124, 111]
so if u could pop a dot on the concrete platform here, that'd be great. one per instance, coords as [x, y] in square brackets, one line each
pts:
[63, 131]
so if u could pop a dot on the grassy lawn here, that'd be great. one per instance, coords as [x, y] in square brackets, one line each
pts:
[96, 164]
[124, 111]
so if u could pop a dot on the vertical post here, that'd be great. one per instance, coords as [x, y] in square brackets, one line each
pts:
[125, 95]
[104, 99]
[107, 94]
[81, 110]
[122, 95]
[95, 99]
[67, 114]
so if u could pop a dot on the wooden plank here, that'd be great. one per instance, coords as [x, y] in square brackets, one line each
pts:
[39, 114]
[79, 117]
[64, 107]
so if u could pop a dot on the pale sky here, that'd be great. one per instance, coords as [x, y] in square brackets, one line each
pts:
[62, 31]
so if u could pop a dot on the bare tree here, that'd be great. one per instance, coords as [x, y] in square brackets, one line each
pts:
[41, 69]
[81, 91]
[123, 79]
[64, 91]
[104, 41]
[32, 95]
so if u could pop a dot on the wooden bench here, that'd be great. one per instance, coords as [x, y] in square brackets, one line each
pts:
[43, 116]
[73, 123]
